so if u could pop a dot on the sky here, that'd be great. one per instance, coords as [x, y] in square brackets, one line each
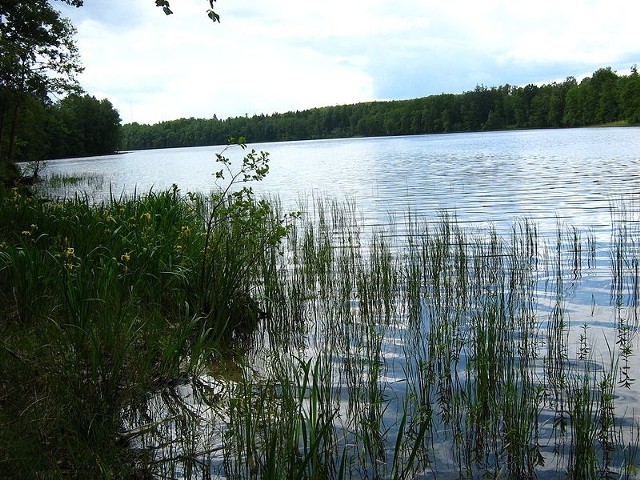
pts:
[286, 55]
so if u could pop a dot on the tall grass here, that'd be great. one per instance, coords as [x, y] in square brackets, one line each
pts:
[103, 311]
[341, 352]
[445, 352]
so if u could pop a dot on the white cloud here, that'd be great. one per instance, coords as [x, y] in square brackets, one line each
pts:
[284, 55]
[183, 65]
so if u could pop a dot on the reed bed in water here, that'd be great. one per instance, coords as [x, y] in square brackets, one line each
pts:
[440, 352]
[415, 350]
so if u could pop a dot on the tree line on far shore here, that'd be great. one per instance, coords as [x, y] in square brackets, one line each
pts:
[81, 125]
[603, 98]
[39, 62]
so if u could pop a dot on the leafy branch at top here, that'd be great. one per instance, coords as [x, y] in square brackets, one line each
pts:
[166, 8]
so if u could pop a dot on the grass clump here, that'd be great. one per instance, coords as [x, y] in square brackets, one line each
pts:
[105, 306]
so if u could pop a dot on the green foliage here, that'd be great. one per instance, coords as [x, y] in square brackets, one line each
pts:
[481, 387]
[104, 306]
[237, 230]
[78, 125]
[602, 99]
[83, 126]
[38, 57]
[382, 355]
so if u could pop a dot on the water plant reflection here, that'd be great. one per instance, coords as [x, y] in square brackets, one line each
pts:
[442, 352]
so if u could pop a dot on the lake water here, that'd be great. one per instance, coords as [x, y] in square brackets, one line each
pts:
[570, 175]
[587, 178]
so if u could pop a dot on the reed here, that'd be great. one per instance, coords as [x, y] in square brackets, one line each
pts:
[364, 353]
[77, 182]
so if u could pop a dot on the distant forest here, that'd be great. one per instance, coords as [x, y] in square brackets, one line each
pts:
[604, 98]
[81, 125]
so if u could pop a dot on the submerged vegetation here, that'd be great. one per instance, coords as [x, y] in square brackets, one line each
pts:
[177, 335]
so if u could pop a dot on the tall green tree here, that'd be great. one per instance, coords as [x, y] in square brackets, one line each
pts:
[38, 57]
[630, 96]
[84, 126]
[605, 84]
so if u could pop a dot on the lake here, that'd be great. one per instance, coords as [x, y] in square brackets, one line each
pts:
[570, 175]
[513, 356]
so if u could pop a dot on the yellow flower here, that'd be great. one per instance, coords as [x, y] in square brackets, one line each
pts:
[26, 233]
[146, 216]
[125, 257]
[34, 227]
[110, 218]
[185, 231]
[69, 252]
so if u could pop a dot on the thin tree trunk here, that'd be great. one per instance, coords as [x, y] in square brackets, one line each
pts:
[3, 111]
[13, 133]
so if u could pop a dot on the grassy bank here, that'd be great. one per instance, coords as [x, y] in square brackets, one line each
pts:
[177, 335]
[105, 306]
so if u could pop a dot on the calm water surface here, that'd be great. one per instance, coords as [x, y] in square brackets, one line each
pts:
[570, 175]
